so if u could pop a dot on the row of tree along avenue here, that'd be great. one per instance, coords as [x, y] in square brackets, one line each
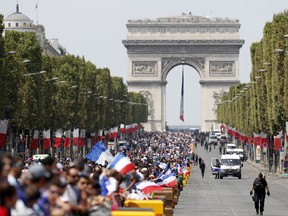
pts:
[257, 112]
[40, 92]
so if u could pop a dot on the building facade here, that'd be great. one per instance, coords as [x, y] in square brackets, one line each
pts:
[22, 23]
[155, 47]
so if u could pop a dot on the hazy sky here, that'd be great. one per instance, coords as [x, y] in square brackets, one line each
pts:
[95, 29]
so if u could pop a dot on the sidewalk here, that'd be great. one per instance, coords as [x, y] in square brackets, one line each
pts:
[261, 167]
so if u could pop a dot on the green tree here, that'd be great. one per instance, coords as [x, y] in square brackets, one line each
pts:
[16, 85]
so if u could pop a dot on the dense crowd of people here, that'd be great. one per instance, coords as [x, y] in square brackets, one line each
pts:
[83, 187]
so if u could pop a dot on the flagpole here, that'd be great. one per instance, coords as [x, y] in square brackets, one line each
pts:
[182, 97]
[36, 8]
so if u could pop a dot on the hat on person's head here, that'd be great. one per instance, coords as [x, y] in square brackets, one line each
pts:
[59, 166]
[260, 175]
[38, 171]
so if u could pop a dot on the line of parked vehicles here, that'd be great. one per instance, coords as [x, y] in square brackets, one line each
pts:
[230, 162]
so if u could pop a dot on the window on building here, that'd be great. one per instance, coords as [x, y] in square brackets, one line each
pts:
[16, 24]
[24, 24]
[9, 24]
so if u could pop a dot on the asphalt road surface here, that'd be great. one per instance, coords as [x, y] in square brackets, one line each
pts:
[229, 196]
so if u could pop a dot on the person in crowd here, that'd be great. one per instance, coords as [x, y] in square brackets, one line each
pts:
[7, 160]
[83, 184]
[80, 187]
[72, 194]
[202, 168]
[8, 198]
[260, 187]
[15, 172]
[50, 164]
[39, 176]
[220, 149]
[26, 206]
[54, 190]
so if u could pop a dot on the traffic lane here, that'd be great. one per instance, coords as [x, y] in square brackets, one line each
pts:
[228, 196]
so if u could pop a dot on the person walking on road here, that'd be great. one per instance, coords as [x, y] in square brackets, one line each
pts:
[202, 168]
[260, 186]
[196, 159]
[199, 160]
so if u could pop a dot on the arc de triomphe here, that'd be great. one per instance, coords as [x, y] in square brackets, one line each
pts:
[154, 47]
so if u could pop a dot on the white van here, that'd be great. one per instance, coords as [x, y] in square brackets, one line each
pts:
[218, 135]
[230, 148]
[40, 156]
[212, 139]
[239, 152]
[122, 145]
[230, 166]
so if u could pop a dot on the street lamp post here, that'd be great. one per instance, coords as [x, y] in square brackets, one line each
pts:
[32, 74]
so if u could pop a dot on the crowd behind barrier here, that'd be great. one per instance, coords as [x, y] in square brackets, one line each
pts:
[161, 161]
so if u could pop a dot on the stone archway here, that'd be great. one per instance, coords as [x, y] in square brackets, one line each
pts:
[210, 46]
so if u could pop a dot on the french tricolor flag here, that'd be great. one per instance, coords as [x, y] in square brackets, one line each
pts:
[67, 138]
[122, 164]
[167, 180]
[76, 137]
[100, 134]
[58, 138]
[122, 128]
[46, 139]
[182, 98]
[35, 140]
[82, 137]
[148, 187]
[3, 131]
[93, 138]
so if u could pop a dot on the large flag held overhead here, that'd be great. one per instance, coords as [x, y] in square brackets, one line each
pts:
[182, 97]
[99, 154]
[122, 164]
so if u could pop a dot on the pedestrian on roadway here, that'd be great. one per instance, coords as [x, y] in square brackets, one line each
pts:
[200, 160]
[218, 165]
[260, 186]
[202, 167]
[196, 159]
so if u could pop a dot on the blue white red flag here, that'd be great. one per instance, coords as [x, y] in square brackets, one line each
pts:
[99, 154]
[167, 180]
[148, 187]
[122, 164]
